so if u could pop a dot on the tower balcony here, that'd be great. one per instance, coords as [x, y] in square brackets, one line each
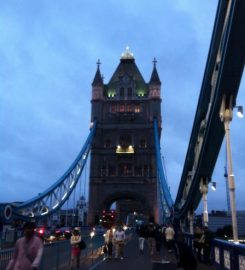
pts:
[125, 150]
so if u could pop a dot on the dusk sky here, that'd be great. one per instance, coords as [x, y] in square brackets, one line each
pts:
[48, 55]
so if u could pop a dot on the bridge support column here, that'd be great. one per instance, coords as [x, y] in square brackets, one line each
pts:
[191, 220]
[226, 118]
[204, 191]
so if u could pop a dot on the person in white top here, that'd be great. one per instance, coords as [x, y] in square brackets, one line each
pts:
[169, 234]
[75, 249]
[28, 250]
[119, 238]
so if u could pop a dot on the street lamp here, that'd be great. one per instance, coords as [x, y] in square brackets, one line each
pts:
[204, 191]
[213, 186]
[226, 110]
[239, 112]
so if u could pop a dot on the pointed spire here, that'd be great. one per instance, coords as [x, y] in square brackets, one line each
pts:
[154, 76]
[98, 80]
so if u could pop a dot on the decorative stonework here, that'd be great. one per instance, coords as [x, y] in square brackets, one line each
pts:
[217, 255]
[155, 92]
[227, 259]
[241, 262]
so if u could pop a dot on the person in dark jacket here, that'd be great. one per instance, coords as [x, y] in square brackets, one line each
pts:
[159, 239]
[208, 237]
[142, 235]
[150, 233]
[184, 254]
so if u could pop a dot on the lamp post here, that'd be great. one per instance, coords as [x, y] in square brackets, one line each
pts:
[191, 220]
[226, 118]
[204, 192]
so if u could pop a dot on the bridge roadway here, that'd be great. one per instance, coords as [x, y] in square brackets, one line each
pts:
[134, 260]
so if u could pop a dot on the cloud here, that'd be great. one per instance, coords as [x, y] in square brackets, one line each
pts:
[48, 52]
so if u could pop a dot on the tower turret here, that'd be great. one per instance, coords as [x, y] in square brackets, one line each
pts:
[154, 83]
[97, 84]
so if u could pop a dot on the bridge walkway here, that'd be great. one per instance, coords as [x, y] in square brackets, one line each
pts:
[134, 260]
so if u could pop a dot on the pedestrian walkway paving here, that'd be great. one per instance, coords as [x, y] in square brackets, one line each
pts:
[134, 260]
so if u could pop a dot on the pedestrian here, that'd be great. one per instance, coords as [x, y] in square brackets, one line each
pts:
[75, 249]
[151, 237]
[197, 243]
[169, 234]
[109, 241]
[208, 237]
[184, 254]
[159, 239]
[119, 237]
[28, 250]
[142, 234]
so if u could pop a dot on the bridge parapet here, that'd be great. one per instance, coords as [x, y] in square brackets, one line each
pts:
[225, 254]
[228, 255]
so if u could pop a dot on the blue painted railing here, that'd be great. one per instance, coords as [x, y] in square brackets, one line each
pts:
[225, 255]
[57, 255]
[228, 255]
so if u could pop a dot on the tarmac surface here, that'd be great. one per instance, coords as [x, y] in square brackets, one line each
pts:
[134, 260]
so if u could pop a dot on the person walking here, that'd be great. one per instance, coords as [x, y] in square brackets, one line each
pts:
[208, 237]
[184, 254]
[151, 237]
[169, 234]
[159, 239]
[142, 234]
[75, 249]
[28, 250]
[119, 237]
[109, 241]
[197, 245]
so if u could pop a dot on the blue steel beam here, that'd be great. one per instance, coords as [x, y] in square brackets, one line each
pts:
[222, 77]
[164, 192]
[57, 194]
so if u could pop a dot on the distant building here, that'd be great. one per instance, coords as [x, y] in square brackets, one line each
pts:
[71, 217]
[219, 219]
[82, 209]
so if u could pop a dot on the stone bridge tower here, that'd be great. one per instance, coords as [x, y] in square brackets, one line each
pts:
[123, 165]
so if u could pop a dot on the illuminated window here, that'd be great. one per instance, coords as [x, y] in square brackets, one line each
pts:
[111, 94]
[122, 108]
[137, 109]
[113, 108]
[141, 94]
[129, 108]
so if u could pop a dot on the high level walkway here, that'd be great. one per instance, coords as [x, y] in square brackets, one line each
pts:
[134, 260]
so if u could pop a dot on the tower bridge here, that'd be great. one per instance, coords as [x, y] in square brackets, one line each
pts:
[124, 139]
[123, 157]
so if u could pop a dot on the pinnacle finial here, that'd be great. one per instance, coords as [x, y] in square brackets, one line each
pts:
[98, 63]
[127, 54]
[154, 61]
